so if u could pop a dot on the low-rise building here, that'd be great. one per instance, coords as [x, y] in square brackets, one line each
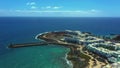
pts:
[96, 45]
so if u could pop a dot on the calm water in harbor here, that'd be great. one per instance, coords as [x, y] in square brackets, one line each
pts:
[21, 30]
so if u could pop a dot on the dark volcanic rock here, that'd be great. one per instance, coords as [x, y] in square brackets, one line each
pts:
[117, 38]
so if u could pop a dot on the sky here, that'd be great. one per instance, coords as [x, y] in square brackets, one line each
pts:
[60, 8]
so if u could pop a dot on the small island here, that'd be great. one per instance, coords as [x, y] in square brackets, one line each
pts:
[86, 49]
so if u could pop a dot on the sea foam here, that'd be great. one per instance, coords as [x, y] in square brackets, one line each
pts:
[68, 62]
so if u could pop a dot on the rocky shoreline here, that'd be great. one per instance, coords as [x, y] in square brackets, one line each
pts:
[76, 60]
[77, 56]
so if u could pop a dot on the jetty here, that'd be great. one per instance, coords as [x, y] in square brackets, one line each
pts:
[28, 44]
[40, 44]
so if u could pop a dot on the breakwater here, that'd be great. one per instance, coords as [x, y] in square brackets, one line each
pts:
[39, 44]
[28, 44]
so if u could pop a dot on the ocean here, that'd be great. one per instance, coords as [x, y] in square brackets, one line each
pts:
[24, 29]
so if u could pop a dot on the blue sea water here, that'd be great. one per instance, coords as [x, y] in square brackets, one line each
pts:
[24, 29]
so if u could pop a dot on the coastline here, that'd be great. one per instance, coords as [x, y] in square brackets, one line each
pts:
[76, 56]
[77, 59]
[79, 56]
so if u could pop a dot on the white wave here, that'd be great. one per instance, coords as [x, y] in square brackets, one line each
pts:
[68, 30]
[68, 62]
[40, 34]
[37, 36]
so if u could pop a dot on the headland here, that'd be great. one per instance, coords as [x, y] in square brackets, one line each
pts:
[86, 49]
